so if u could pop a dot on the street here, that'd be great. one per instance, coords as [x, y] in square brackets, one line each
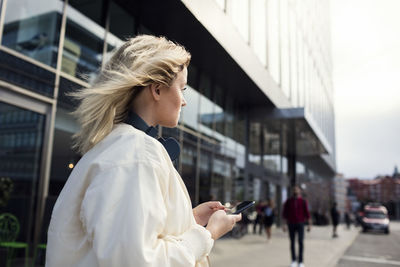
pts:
[253, 250]
[374, 249]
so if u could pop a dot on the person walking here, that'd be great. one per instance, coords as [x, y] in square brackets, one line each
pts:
[295, 214]
[259, 218]
[269, 217]
[335, 216]
[347, 219]
[124, 203]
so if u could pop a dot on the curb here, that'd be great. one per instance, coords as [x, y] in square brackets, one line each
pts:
[336, 258]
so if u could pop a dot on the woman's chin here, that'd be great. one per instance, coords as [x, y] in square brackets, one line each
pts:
[170, 124]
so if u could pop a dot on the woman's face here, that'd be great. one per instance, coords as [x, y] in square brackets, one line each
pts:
[172, 101]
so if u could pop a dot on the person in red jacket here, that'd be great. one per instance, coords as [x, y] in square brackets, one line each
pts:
[296, 214]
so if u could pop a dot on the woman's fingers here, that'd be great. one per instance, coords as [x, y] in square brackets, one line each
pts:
[237, 217]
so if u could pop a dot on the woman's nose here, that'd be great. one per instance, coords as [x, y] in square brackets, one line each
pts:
[183, 102]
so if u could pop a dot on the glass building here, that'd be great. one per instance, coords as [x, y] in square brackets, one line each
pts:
[260, 113]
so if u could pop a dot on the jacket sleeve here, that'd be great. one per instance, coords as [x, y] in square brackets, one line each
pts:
[124, 214]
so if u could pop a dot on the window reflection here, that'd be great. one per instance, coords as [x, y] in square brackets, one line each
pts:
[83, 43]
[122, 27]
[219, 111]
[189, 163]
[21, 137]
[33, 28]
[255, 144]
[206, 106]
[26, 74]
[190, 112]
[206, 116]
[205, 174]
[122, 24]
[271, 151]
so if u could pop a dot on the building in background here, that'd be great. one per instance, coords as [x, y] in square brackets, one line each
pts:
[340, 189]
[260, 113]
[384, 190]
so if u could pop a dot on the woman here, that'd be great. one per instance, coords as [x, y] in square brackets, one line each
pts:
[124, 204]
[269, 217]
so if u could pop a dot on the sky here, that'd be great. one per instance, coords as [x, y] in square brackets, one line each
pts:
[366, 78]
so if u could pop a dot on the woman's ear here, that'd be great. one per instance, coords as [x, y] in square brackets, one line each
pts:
[155, 91]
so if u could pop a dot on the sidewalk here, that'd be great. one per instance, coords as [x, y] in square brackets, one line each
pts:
[320, 249]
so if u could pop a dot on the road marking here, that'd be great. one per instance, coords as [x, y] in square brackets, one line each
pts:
[374, 260]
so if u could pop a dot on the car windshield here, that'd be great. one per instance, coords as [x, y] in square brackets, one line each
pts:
[375, 215]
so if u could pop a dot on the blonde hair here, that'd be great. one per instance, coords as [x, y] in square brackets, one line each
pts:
[139, 62]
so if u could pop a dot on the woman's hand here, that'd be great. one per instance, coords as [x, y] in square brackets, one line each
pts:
[220, 223]
[203, 211]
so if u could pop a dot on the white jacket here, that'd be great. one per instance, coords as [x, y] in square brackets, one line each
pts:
[125, 205]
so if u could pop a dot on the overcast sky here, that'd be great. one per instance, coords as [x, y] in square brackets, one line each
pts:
[366, 57]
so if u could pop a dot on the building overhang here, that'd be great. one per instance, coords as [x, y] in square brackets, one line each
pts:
[311, 147]
[310, 140]
[216, 47]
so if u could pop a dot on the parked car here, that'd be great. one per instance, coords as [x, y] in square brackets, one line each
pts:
[375, 218]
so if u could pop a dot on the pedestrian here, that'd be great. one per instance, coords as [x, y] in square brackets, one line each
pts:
[269, 217]
[124, 203]
[335, 216]
[296, 214]
[347, 219]
[259, 218]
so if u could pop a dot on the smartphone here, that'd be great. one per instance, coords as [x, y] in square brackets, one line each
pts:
[243, 206]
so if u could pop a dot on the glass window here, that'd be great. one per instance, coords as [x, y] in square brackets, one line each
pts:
[190, 112]
[272, 157]
[240, 127]
[64, 158]
[273, 39]
[219, 111]
[25, 74]
[21, 141]
[220, 188]
[258, 31]
[122, 27]
[206, 111]
[285, 165]
[122, 24]
[205, 175]
[90, 9]
[83, 43]
[229, 118]
[33, 28]
[239, 11]
[255, 145]
[189, 163]
[300, 171]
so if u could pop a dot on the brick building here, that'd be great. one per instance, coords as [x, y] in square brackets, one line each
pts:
[384, 189]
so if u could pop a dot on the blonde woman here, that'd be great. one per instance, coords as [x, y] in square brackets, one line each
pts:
[124, 204]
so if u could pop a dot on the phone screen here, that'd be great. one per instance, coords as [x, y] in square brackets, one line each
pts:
[243, 206]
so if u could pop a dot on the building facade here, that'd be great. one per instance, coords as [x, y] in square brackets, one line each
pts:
[340, 186]
[260, 113]
[384, 190]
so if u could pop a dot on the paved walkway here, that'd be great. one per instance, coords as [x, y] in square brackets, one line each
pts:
[321, 250]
